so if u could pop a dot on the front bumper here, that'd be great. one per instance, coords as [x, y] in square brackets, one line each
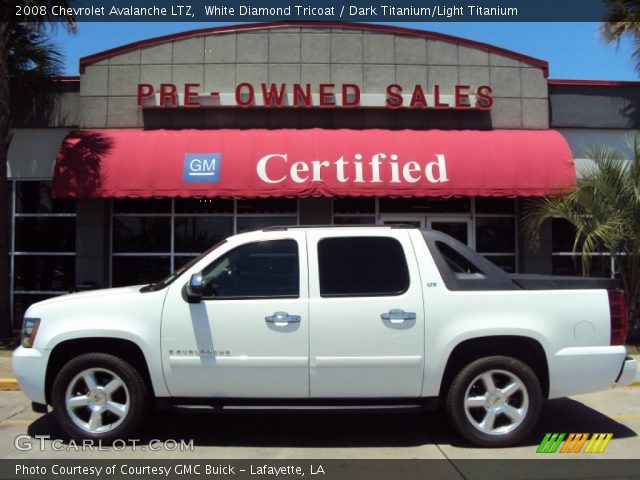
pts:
[30, 368]
[627, 372]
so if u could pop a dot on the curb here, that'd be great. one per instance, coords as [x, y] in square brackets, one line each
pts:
[9, 384]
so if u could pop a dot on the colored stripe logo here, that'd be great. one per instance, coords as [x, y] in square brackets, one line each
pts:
[574, 443]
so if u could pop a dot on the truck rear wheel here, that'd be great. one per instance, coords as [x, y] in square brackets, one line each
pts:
[99, 396]
[494, 401]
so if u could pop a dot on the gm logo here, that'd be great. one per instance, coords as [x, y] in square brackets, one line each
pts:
[201, 167]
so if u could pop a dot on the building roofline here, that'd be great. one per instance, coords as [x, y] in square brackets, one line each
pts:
[594, 83]
[66, 79]
[84, 61]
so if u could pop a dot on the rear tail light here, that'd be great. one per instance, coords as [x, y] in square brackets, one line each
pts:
[618, 313]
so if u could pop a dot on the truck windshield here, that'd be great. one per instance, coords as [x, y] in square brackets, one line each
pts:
[165, 282]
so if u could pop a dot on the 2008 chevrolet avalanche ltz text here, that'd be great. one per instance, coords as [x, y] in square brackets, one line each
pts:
[384, 316]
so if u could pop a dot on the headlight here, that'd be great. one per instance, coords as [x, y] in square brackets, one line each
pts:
[29, 331]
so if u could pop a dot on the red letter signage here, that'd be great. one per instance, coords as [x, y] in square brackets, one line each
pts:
[296, 95]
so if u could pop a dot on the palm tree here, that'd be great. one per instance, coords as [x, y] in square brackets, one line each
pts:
[622, 18]
[33, 63]
[9, 26]
[604, 209]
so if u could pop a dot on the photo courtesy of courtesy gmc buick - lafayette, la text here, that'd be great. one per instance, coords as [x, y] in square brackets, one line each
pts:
[317, 317]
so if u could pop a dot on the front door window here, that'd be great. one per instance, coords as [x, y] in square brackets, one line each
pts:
[255, 270]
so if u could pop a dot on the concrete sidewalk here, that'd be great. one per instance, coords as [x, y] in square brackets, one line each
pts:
[5, 366]
[8, 382]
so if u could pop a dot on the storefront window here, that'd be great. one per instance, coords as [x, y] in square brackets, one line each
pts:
[256, 213]
[195, 234]
[141, 240]
[268, 205]
[354, 211]
[142, 205]
[44, 233]
[141, 234]
[44, 273]
[132, 270]
[495, 231]
[427, 204]
[495, 234]
[246, 224]
[354, 206]
[204, 205]
[35, 197]
[500, 205]
[354, 220]
[43, 244]
[563, 262]
[152, 237]
[456, 229]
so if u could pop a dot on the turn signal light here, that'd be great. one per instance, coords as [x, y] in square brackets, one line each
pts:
[29, 331]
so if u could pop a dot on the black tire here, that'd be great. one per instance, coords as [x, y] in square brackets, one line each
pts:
[104, 368]
[474, 424]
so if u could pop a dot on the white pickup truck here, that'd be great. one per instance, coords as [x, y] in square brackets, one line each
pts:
[324, 317]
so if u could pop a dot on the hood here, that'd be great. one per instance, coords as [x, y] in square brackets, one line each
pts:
[79, 296]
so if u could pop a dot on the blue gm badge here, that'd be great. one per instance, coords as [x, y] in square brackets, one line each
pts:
[201, 167]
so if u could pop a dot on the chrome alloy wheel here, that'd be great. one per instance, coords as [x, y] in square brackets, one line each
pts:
[496, 402]
[97, 400]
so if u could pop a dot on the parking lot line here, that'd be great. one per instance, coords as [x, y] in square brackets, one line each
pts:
[625, 417]
[16, 421]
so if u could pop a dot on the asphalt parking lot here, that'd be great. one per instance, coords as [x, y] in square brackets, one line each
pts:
[326, 436]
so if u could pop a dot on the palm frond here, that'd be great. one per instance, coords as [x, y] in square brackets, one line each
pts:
[621, 17]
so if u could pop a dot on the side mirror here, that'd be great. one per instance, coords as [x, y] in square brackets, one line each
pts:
[195, 288]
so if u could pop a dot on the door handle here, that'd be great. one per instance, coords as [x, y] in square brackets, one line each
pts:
[282, 318]
[397, 315]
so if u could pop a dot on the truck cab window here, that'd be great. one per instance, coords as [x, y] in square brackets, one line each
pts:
[255, 270]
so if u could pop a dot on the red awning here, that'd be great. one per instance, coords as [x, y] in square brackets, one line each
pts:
[314, 162]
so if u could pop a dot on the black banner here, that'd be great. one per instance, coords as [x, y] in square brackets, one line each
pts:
[313, 11]
[538, 469]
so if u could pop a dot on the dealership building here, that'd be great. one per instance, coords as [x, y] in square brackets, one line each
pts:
[163, 147]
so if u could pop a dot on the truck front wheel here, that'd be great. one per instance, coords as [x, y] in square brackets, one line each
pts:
[99, 396]
[494, 401]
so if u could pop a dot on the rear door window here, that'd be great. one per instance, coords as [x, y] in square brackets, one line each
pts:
[362, 267]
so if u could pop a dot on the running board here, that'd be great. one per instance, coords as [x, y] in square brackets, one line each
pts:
[203, 405]
[290, 409]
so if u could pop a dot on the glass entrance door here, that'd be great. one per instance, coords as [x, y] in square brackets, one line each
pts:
[458, 228]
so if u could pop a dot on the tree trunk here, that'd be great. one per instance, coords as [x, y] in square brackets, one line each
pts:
[6, 326]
